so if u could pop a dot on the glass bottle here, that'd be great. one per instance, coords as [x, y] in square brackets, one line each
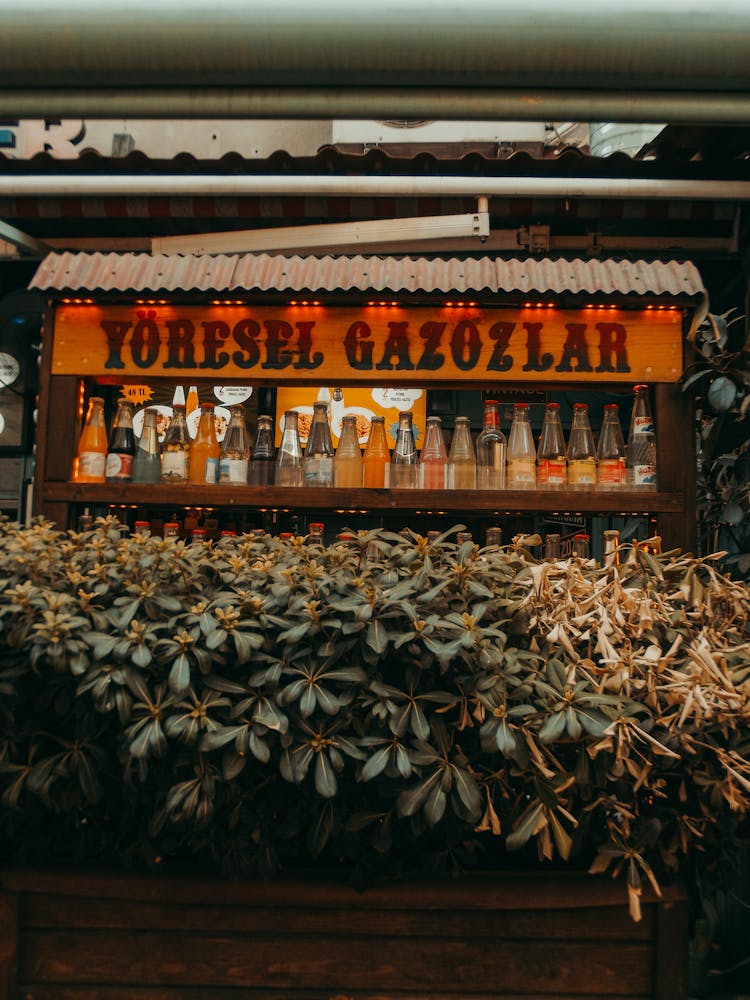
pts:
[263, 457]
[175, 448]
[521, 474]
[86, 520]
[433, 461]
[641, 442]
[552, 547]
[611, 540]
[91, 458]
[147, 460]
[347, 464]
[405, 463]
[492, 449]
[377, 457]
[319, 449]
[610, 454]
[493, 536]
[462, 462]
[581, 449]
[235, 450]
[315, 533]
[121, 448]
[551, 467]
[581, 545]
[203, 463]
[289, 465]
[193, 403]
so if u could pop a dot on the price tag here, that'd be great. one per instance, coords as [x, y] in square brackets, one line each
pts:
[233, 395]
[137, 394]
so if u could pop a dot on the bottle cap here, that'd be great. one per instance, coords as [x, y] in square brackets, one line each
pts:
[316, 524]
[580, 406]
[552, 406]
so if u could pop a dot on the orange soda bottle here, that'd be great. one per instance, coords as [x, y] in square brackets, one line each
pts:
[203, 467]
[91, 456]
[377, 456]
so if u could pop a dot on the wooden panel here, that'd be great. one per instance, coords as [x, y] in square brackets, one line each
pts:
[289, 961]
[8, 944]
[371, 344]
[675, 444]
[32, 991]
[672, 931]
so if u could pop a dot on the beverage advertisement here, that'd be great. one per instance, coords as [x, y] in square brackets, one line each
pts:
[363, 403]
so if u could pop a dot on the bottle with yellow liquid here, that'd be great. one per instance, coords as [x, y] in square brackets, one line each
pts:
[203, 462]
[521, 474]
[347, 463]
[581, 449]
[91, 457]
[462, 461]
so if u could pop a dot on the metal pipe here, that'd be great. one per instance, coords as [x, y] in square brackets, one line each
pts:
[379, 103]
[375, 187]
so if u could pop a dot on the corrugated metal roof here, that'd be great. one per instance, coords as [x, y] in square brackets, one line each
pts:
[133, 272]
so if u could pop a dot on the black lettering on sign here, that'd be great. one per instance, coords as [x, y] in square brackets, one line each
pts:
[500, 332]
[466, 345]
[358, 346]
[535, 363]
[613, 340]
[246, 334]
[144, 346]
[279, 334]
[575, 346]
[396, 345]
[215, 332]
[305, 346]
[115, 332]
[180, 347]
[431, 333]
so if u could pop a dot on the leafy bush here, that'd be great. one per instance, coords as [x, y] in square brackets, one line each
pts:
[385, 704]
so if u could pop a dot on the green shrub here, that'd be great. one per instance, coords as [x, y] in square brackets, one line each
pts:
[384, 705]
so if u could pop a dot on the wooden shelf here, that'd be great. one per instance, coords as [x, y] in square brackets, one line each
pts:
[357, 500]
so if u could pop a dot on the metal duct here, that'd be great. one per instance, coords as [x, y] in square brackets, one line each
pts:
[532, 59]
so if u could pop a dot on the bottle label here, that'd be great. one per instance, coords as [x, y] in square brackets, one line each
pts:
[644, 475]
[233, 470]
[552, 472]
[643, 425]
[174, 465]
[92, 463]
[611, 470]
[582, 472]
[521, 472]
[118, 466]
[212, 470]
[319, 471]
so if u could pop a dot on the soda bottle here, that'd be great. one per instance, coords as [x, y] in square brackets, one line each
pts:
[492, 449]
[552, 547]
[147, 460]
[289, 465]
[641, 442]
[405, 463]
[610, 454]
[521, 473]
[264, 454]
[377, 457]
[121, 449]
[581, 449]
[315, 533]
[193, 402]
[319, 449]
[493, 536]
[91, 458]
[203, 463]
[235, 450]
[175, 448]
[462, 462]
[347, 464]
[433, 461]
[551, 466]
[581, 545]
[611, 539]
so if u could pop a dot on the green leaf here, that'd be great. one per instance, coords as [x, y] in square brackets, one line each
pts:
[434, 807]
[325, 778]
[377, 636]
[141, 656]
[179, 675]
[524, 828]
[376, 764]
[553, 728]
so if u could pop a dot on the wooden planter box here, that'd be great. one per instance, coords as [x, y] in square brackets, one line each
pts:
[83, 936]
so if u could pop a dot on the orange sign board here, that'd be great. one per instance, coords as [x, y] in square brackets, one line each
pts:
[370, 345]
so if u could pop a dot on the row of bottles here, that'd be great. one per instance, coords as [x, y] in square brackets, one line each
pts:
[491, 464]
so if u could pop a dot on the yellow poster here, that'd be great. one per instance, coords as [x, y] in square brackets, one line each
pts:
[363, 403]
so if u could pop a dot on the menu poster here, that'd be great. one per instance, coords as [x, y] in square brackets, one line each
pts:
[163, 395]
[363, 403]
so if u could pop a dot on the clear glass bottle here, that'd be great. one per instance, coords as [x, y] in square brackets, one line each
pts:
[641, 457]
[551, 463]
[203, 463]
[377, 458]
[147, 460]
[581, 449]
[319, 449]
[289, 464]
[462, 460]
[405, 462]
[121, 447]
[86, 520]
[492, 448]
[433, 461]
[263, 459]
[91, 457]
[521, 474]
[493, 536]
[175, 448]
[315, 533]
[347, 463]
[581, 545]
[552, 547]
[235, 450]
[610, 453]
